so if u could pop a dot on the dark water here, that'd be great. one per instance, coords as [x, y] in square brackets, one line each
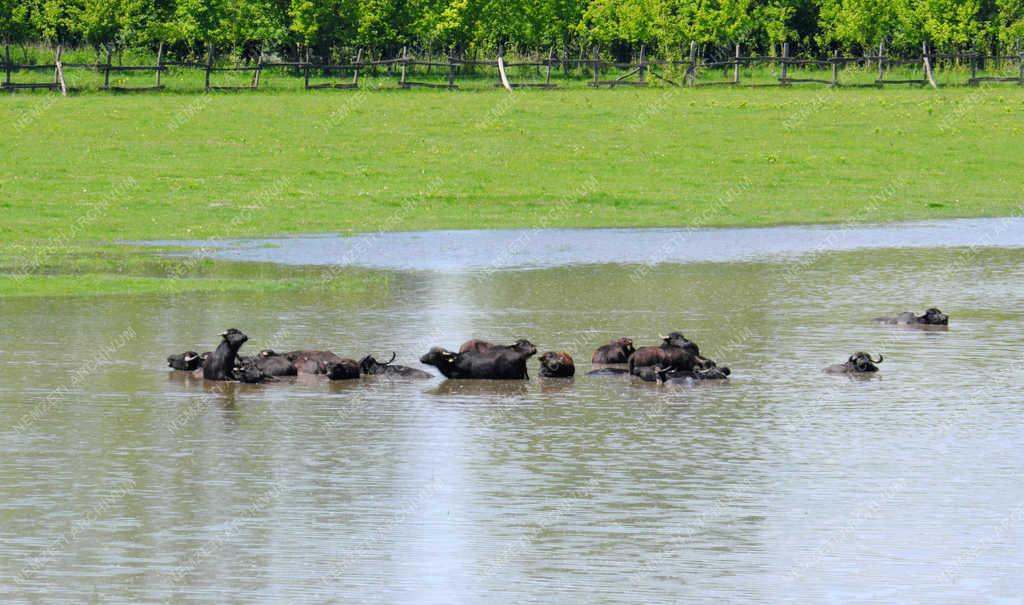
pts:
[125, 483]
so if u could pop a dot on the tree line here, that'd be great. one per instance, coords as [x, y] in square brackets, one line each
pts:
[324, 27]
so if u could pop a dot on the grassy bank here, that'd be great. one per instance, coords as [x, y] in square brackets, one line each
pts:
[97, 168]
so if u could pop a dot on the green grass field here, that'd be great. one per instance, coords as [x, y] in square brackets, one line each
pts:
[100, 167]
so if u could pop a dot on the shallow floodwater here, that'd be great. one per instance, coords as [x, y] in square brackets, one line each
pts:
[127, 483]
[459, 251]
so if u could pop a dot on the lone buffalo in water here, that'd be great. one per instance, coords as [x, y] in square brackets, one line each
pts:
[858, 363]
[557, 365]
[675, 351]
[617, 351]
[482, 346]
[220, 365]
[931, 317]
[494, 364]
[186, 362]
[324, 363]
[371, 367]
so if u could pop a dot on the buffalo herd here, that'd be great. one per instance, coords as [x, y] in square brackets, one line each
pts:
[676, 360]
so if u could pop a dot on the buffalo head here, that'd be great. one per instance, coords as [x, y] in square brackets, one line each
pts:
[369, 365]
[525, 347]
[935, 317]
[439, 357]
[234, 337]
[626, 344]
[862, 362]
[676, 339]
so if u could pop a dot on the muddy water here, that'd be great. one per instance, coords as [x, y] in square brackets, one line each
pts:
[129, 484]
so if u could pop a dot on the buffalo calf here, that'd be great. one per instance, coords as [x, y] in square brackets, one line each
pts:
[557, 365]
[616, 351]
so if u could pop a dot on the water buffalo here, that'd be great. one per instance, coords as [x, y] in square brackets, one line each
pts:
[858, 363]
[557, 365]
[186, 362]
[220, 365]
[495, 364]
[482, 346]
[249, 371]
[670, 376]
[273, 364]
[931, 317]
[675, 351]
[616, 351]
[371, 367]
[325, 363]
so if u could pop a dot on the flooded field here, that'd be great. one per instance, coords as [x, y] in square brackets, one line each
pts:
[122, 482]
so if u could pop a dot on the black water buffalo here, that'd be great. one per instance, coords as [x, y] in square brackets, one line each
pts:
[482, 346]
[495, 364]
[186, 362]
[557, 365]
[273, 364]
[249, 371]
[858, 363]
[220, 365]
[616, 351]
[674, 376]
[675, 351]
[670, 376]
[324, 363]
[371, 367]
[931, 317]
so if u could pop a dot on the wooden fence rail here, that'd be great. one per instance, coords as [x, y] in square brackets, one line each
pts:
[689, 64]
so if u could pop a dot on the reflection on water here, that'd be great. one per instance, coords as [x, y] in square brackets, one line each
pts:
[457, 251]
[126, 483]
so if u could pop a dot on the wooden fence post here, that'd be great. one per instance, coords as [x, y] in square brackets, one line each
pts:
[736, 66]
[547, 74]
[691, 70]
[305, 69]
[259, 69]
[59, 71]
[643, 63]
[1020, 64]
[7, 64]
[835, 68]
[927, 65]
[784, 70]
[159, 63]
[359, 63]
[106, 71]
[451, 68]
[597, 66]
[974, 66]
[405, 55]
[881, 62]
[209, 63]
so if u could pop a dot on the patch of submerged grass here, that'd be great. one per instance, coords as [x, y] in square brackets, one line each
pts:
[85, 269]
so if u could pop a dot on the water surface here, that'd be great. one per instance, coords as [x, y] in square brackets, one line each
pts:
[458, 251]
[126, 483]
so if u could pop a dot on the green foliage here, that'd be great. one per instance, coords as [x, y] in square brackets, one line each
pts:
[387, 25]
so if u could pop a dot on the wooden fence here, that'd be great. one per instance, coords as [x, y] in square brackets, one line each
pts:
[641, 72]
